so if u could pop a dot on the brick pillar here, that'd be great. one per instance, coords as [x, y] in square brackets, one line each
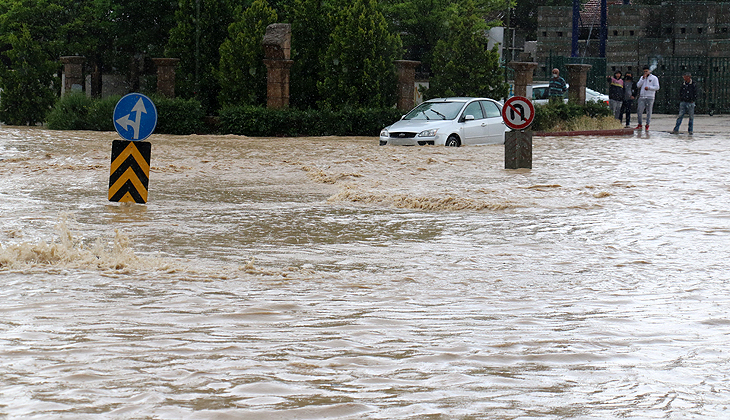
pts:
[406, 83]
[73, 73]
[577, 78]
[166, 75]
[523, 75]
[277, 83]
[277, 54]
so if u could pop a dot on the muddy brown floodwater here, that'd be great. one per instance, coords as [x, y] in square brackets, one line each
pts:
[318, 278]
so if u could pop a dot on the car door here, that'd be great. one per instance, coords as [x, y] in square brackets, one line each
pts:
[494, 121]
[473, 131]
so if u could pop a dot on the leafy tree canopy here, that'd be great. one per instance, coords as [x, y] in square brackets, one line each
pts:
[463, 65]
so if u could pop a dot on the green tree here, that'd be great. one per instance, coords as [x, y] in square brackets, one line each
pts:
[29, 86]
[422, 23]
[87, 30]
[242, 73]
[140, 30]
[463, 65]
[358, 64]
[312, 24]
[201, 27]
[30, 58]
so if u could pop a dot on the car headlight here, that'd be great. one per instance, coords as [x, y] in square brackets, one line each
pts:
[428, 133]
[384, 132]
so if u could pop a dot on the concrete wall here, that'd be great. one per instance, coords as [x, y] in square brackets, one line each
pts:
[637, 34]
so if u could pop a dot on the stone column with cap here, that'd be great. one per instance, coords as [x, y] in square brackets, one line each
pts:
[166, 75]
[577, 79]
[523, 76]
[277, 54]
[406, 83]
[73, 73]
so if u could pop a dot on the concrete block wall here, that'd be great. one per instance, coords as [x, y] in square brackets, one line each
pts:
[639, 33]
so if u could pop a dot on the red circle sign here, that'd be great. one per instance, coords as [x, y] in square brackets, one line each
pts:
[518, 112]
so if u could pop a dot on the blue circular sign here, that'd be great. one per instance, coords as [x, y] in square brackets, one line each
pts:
[135, 117]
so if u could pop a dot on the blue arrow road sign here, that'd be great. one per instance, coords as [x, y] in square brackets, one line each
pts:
[135, 117]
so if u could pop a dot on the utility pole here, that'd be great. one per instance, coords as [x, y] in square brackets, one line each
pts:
[197, 47]
[604, 29]
[576, 28]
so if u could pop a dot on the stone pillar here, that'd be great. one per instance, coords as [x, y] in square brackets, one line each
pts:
[166, 75]
[406, 83]
[73, 73]
[577, 78]
[277, 54]
[523, 76]
[277, 83]
[518, 149]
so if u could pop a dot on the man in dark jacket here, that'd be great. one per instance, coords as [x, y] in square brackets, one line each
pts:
[616, 93]
[629, 94]
[687, 98]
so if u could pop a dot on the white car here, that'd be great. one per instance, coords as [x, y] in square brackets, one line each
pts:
[448, 122]
[539, 94]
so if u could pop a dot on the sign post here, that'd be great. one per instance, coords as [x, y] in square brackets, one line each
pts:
[135, 118]
[518, 113]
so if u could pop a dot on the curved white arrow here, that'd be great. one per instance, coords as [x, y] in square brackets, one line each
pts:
[126, 122]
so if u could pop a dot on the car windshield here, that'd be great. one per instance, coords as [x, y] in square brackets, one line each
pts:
[435, 111]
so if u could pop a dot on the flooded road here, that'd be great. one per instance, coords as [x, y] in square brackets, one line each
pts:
[317, 278]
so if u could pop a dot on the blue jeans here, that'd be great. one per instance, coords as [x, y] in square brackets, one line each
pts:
[689, 109]
[644, 104]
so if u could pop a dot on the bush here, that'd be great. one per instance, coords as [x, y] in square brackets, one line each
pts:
[554, 114]
[101, 114]
[70, 113]
[78, 112]
[264, 122]
[178, 116]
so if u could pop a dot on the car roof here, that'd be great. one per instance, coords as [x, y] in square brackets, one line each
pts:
[458, 99]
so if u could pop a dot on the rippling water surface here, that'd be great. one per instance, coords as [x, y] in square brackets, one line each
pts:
[332, 278]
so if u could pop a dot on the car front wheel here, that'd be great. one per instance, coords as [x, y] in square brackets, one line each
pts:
[453, 141]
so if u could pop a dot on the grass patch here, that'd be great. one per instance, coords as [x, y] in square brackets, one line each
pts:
[586, 123]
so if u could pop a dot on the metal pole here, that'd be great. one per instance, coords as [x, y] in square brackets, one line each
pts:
[197, 47]
[576, 28]
[604, 29]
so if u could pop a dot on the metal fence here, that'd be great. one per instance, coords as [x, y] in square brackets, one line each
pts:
[712, 75]
[596, 78]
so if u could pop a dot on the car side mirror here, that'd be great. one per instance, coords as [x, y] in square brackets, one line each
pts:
[469, 118]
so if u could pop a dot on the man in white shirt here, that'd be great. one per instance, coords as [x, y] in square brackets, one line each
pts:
[647, 86]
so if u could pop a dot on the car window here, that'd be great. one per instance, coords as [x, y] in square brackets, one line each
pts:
[540, 92]
[491, 109]
[474, 109]
[435, 111]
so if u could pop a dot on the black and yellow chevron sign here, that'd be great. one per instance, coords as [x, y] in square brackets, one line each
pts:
[129, 175]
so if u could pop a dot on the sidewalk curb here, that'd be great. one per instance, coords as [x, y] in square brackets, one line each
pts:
[613, 132]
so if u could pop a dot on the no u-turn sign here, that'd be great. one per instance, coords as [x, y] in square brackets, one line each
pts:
[518, 112]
